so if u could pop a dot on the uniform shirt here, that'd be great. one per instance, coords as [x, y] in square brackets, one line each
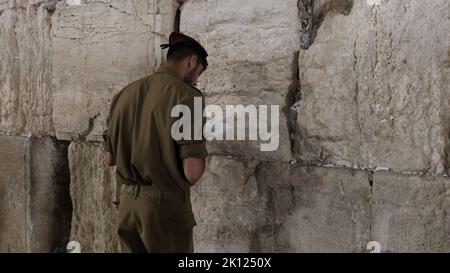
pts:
[138, 133]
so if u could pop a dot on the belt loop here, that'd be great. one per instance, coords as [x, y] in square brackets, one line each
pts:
[135, 190]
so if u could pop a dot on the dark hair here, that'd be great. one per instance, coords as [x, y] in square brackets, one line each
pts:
[180, 52]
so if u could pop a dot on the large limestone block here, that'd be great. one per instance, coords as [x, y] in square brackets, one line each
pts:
[35, 206]
[252, 56]
[250, 47]
[14, 190]
[230, 208]
[98, 48]
[243, 206]
[25, 69]
[93, 190]
[375, 88]
[411, 213]
[275, 146]
[317, 209]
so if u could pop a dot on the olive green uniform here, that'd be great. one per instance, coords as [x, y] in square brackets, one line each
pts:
[155, 212]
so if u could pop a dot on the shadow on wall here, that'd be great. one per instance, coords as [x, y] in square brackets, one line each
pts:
[51, 204]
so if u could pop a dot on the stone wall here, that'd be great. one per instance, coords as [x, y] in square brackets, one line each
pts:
[35, 205]
[362, 85]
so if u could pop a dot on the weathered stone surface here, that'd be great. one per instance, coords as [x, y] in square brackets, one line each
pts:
[35, 206]
[25, 104]
[230, 208]
[12, 4]
[93, 189]
[98, 48]
[252, 50]
[316, 209]
[50, 202]
[245, 206]
[14, 190]
[411, 213]
[275, 207]
[375, 88]
[252, 149]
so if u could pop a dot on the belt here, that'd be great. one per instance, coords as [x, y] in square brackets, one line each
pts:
[149, 191]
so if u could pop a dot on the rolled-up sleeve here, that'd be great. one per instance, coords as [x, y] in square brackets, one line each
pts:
[107, 132]
[193, 147]
[197, 150]
[106, 141]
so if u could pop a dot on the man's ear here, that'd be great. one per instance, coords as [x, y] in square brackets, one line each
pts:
[192, 61]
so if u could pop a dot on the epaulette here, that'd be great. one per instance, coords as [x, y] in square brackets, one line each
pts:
[198, 90]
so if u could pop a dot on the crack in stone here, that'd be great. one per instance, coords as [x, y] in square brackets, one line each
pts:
[82, 136]
[312, 14]
[135, 16]
[306, 21]
[325, 164]
[329, 164]
[176, 22]
[117, 33]
[371, 175]
[357, 73]
[293, 100]
[376, 32]
[134, 7]
[50, 6]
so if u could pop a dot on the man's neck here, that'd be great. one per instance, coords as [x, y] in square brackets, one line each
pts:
[175, 68]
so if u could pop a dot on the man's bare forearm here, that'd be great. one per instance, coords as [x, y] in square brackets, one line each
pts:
[109, 159]
[193, 169]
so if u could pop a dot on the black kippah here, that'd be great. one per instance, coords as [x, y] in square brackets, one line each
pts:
[197, 49]
[164, 46]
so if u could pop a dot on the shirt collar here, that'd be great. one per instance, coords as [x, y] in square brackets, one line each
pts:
[167, 70]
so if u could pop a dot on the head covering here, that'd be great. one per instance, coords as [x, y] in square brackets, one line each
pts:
[177, 39]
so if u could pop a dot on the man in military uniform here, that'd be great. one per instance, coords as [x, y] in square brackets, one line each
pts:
[156, 171]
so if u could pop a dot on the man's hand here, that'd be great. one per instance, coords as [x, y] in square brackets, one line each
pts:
[109, 159]
[193, 169]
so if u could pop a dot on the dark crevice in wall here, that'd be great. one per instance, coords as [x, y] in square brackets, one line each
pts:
[82, 136]
[447, 153]
[447, 127]
[371, 174]
[312, 14]
[305, 8]
[176, 21]
[50, 5]
[293, 98]
[447, 136]
[64, 201]
[51, 204]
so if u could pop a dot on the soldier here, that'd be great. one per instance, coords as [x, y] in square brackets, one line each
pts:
[156, 172]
